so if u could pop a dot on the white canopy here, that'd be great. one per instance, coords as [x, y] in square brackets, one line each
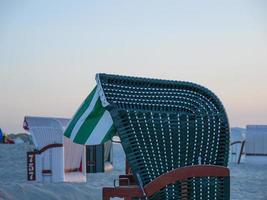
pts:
[45, 130]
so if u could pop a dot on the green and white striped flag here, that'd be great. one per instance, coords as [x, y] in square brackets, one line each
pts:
[91, 124]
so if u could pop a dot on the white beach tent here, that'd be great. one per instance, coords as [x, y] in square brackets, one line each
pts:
[256, 140]
[58, 159]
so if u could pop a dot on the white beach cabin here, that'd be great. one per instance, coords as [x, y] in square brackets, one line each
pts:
[56, 158]
[256, 140]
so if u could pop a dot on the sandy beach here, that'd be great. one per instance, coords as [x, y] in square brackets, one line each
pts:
[248, 180]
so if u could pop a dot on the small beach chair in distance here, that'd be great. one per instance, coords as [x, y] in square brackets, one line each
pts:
[175, 136]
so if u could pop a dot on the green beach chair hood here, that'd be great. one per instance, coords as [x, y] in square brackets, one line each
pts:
[92, 123]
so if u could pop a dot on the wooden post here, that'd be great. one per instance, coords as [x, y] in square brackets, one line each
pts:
[127, 168]
[241, 151]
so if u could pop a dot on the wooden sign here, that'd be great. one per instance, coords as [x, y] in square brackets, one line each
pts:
[31, 166]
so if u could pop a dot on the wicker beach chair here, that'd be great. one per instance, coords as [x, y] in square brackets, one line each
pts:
[175, 136]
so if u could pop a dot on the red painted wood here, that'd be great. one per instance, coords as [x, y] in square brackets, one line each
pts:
[183, 174]
[47, 171]
[122, 192]
[160, 182]
[127, 168]
[126, 179]
[71, 170]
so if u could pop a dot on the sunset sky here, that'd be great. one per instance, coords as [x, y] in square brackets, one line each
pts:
[51, 50]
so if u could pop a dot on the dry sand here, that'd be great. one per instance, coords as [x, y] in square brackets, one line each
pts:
[248, 181]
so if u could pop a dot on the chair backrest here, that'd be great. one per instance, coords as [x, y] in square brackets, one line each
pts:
[44, 130]
[164, 125]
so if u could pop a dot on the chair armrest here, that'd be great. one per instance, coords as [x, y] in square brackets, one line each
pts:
[179, 174]
[184, 173]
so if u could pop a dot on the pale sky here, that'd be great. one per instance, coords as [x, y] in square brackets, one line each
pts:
[51, 50]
